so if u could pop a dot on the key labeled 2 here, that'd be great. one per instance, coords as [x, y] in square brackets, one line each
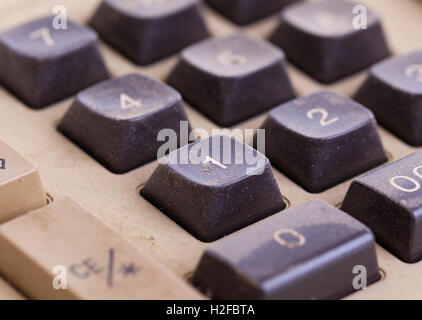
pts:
[322, 139]
[389, 201]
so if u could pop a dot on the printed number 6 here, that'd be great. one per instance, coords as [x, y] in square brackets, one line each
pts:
[324, 115]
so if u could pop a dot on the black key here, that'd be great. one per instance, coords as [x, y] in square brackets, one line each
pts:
[393, 92]
[232, 78]
[322, 140]
[247, 11]
[42, 65]
[214, 187]
[389, 201]
[314, 251]
[325, 40]
[149, 30]
[118, 121]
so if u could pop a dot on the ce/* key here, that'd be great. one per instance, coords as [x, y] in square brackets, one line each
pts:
[21, 189]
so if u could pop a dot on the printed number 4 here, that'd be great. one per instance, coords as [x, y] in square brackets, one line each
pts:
[127, 102]
[324, 116]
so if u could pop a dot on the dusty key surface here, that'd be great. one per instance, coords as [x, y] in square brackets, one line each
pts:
[393, 91]
[309, 252]
[322, 139]
[232, 78]
[321, 38]
[99, 263]
[41, 64]
[21, 189]
[388, 201]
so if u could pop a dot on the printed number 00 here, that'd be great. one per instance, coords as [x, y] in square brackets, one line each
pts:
[416, 184]
[324, 116]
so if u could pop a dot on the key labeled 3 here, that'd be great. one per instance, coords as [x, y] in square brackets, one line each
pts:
[214, 187]
[309, 252]
[322, 139]
[42, 65]
[393, 91]
[389, 201]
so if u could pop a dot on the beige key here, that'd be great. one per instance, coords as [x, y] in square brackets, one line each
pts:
[21, 189]
[8, 293]
[93, 259]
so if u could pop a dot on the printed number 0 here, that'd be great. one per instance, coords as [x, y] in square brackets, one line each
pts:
[416, 184]
[324, 115]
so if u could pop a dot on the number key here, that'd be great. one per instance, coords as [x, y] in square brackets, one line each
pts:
[215, 187]
[42, 65]
[393, 92]
[322, 139]
[232, 78]
[389, 201]
[117, 118]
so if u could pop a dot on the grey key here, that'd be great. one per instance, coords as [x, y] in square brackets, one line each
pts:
[314, 251]
[146, 31]
[214, 187]
[118, 121]
[320, 37]
[232, 78]
[322, 139]
[42, 65]
[393, 91]
[247, 11]
[389, 201]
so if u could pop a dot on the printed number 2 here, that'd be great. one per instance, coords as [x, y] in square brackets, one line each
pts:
[324, 116]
